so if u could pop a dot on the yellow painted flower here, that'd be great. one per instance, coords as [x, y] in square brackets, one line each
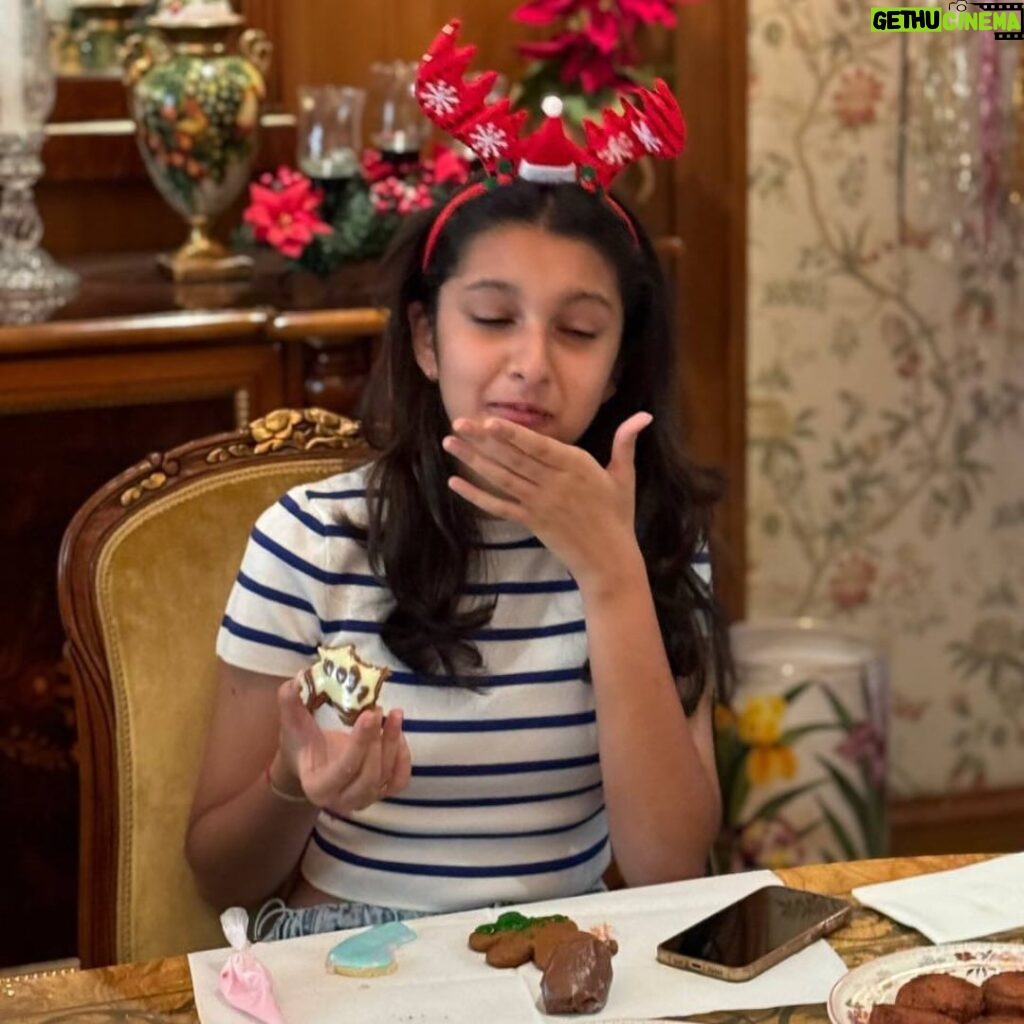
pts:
[760, 722]
[771, 762]
[760, 727]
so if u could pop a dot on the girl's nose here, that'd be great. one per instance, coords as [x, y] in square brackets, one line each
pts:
[530, 356]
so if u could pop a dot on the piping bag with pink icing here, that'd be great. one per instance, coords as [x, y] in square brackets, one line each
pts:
[244, 982]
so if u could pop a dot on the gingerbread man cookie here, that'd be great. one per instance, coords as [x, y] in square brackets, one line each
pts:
[515, 939]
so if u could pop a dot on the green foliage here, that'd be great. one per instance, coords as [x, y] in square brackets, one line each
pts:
[360, 233]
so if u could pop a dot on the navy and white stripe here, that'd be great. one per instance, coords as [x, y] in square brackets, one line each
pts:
[505, 802]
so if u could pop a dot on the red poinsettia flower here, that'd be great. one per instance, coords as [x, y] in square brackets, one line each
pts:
[603, 28]
[632, 12]
[449, 166]
[578, 60]
[598, 44]
[284, 212]
[652, 12]
[543, 12]
[374, 166]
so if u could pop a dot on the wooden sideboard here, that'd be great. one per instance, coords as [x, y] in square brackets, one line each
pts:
[134, 365]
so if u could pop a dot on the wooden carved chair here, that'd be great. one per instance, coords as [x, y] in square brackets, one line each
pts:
[145, 570]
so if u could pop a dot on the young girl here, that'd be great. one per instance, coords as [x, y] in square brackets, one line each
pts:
[526, 555]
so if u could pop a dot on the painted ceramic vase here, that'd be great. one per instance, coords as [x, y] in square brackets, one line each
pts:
[801, 751]
[98, 30]
[196, 103]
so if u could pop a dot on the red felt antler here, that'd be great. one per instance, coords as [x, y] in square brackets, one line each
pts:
[460, 106]
[658, 129]
[492, 131]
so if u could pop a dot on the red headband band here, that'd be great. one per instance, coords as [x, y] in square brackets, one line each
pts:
[478, 189]
[493, 131]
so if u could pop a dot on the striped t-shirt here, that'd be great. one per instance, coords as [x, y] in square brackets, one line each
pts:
[505, 802]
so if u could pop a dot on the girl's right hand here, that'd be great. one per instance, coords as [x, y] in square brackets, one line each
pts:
[340, 771]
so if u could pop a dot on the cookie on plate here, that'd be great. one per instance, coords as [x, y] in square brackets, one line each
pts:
[1004, 994]
[943, 993]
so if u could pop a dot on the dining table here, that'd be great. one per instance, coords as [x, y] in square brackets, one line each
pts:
[160, 991]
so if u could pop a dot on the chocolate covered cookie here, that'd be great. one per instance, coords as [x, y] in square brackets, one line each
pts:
[578, 975]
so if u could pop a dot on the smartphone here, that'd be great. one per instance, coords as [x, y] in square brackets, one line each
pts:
[755, 933]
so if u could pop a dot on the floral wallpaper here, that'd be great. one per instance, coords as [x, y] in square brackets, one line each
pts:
[886, 369]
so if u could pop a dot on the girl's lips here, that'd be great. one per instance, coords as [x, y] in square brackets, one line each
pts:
[519, 414]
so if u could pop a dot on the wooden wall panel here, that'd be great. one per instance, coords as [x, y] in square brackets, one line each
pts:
[89, 217]
[711, 205]
[323, 41]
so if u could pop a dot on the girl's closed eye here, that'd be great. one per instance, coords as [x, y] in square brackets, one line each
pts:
[492, 321]
[579, 331]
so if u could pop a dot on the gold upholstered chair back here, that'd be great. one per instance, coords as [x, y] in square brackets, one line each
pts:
[145, 570]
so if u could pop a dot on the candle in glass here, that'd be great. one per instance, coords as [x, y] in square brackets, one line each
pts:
[12, 87]
[401, 126]
[329, 130]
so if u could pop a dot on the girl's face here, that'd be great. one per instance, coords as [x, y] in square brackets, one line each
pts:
[528, 328]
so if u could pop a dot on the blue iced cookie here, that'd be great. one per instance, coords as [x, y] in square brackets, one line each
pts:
[370, 953]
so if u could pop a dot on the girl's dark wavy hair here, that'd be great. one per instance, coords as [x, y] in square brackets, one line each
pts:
[422, 538]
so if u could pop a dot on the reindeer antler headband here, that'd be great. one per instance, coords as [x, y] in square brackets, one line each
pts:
[493, 131]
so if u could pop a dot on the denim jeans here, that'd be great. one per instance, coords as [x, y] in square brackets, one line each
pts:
[274, 920]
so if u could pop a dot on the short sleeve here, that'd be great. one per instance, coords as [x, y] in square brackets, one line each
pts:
[701, 565]
[272, 621]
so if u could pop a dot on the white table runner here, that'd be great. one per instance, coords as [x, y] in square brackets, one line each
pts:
[440, 979]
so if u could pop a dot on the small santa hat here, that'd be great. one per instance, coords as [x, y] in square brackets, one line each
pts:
[549, 156]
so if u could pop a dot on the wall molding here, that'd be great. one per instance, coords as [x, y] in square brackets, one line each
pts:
[991, 821]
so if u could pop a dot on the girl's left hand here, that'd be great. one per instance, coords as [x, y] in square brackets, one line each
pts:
[581, 511]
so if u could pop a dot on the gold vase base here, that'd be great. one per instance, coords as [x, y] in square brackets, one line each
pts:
[202, 259]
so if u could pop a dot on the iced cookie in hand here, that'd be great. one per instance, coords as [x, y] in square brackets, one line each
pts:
[342, 679]
[370, 953]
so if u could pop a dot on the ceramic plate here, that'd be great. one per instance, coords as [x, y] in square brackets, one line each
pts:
[879, 980]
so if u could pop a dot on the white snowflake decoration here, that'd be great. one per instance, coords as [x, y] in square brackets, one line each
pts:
[488, 140]
[440, 98]
[650, 141]
[617, 150]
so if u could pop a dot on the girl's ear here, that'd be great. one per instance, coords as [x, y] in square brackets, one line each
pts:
[422, 340]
